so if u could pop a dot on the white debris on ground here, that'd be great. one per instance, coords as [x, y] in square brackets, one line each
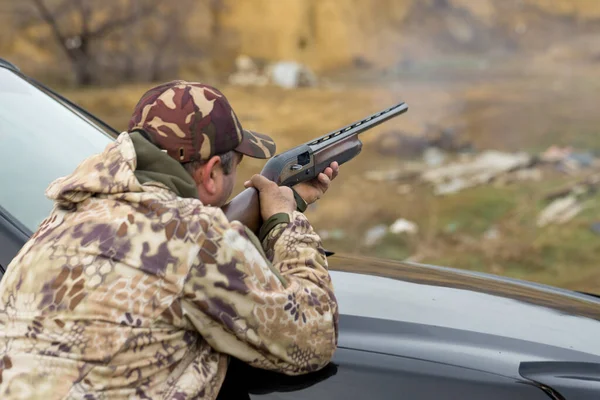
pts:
[560, 211]
[492, 233]
[567, 202]
[455, 177]
[290, 75]
[401, 226]
[247, 73]
[404, 226]
[285, 74]
[375, 234]
[434, 157]
[448, 165]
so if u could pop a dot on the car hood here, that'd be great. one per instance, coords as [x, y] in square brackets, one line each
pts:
[459, 317]
[428, 277]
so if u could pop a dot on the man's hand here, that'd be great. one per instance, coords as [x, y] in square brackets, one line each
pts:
[312, 190]
[273, 199]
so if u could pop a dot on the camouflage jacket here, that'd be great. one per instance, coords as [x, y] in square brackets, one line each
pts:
[128, 290]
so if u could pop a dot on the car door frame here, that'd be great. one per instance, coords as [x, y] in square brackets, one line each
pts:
[13, 235]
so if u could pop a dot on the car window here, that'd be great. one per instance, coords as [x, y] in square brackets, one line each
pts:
[365, 375]
[40, 140]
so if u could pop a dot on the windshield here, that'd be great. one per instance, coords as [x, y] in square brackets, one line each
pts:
[40, 140]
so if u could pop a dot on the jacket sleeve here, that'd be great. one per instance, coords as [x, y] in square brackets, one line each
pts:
[275, 309]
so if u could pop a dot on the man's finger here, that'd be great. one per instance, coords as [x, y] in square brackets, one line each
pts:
[324, 179]
[260, 183]
[329, 172]
[336, 169]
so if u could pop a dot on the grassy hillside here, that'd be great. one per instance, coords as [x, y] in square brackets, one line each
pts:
[512, 113]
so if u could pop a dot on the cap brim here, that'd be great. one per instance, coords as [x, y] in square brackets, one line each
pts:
[256, 145]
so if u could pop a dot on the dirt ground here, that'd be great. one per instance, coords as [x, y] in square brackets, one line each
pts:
[514, 105]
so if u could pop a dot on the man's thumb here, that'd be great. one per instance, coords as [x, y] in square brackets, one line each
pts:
[260, 182]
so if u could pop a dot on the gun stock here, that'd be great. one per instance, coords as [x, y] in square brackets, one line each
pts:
[245, 208]
[305, 162]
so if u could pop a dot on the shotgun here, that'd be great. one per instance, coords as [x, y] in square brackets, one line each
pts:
[305, 162]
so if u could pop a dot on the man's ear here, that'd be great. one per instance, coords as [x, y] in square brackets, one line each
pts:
[207, 174]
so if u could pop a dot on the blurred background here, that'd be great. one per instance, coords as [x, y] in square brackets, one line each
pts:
[494, 168]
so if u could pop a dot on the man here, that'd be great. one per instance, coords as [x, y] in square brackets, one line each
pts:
[137, 285]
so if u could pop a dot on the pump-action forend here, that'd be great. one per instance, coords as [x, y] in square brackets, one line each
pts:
[306, 161]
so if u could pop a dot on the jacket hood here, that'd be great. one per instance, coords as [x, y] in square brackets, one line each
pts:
[109, 173]
[129, 164]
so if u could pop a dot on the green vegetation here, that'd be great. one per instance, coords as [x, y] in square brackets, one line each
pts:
[565, 255]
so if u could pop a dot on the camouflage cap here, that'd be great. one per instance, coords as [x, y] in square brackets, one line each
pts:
[192, 121]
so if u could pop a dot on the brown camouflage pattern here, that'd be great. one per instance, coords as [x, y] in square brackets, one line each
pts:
[193, 121]
[129, 291]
